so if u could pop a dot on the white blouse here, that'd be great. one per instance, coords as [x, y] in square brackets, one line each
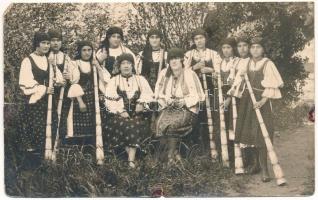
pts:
[192, 100]
[207, 55]
[272, 80]
[115, 103]
[27, 82]
[76, 67]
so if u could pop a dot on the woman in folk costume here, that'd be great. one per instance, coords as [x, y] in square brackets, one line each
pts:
[152, 58]
[227, 70]
[179, 93]
[34, 83]
[81, 125]
[203, 60]
[110, 49]
[61, 60]
[265, 81]
[250, 155]
[127, 97]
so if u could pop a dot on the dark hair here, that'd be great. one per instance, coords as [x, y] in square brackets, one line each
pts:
[229, 41]
[147, 51]
[38, 38]
[80, 46]
[112, 30]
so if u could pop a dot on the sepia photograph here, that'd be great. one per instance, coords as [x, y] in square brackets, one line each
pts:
[158, 99]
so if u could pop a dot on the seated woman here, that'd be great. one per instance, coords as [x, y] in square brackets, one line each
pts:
[179, 93]
[81, 118]
[126, 99]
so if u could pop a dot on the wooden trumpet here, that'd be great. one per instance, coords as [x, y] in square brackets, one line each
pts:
[279, 175]
[99, 137]
[225, 153]
[59, 113]
[48, 132]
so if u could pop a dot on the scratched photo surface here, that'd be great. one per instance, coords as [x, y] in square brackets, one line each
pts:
[159, 99]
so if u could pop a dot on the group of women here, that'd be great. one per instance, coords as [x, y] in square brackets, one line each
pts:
[153, 95]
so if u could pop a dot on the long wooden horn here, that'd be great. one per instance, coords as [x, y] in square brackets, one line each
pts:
[59, 113]
[99, 137]
[48, 132]
[279, 175]
[225, 153]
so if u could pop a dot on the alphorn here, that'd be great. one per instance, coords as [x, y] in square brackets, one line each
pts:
[59, 113]
[224, 148]
[48, 132]
[279, 175]
[239, 167]
[99, 137]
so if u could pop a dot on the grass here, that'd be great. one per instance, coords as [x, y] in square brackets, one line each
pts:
[76, 175]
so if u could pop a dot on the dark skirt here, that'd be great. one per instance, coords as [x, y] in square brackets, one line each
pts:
[173, 122]
[35, 118]
[133, 131]
[84, 122]
[248, 130]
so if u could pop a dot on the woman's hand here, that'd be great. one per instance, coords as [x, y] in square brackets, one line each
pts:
[101, 55]
[50, 90]
[207, 70]
[179, 103]
[66, 75]
[124, 114]
[139, 108]
[199, 65]
[260, 103]
[83, 107]
[226, 103]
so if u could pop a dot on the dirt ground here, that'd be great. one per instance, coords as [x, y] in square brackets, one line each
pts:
[295, 151]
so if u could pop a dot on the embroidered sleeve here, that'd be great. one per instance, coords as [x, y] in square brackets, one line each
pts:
[75, 90]
[196, 93]
[147, 95]
[114, 103]
[74, 72]
[28, 84]
[272, 81]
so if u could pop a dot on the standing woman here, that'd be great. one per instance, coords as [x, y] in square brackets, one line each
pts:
[227, 70]
[250, 154]
[62, 61]
[179, 93]
[110, 49]
[153, 58]
[203, 60]
[81, 124]
[265, 81]
[127, 96]
[34, 83]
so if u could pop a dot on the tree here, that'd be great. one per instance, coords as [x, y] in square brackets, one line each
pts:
[77, 22]
[175, 20]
